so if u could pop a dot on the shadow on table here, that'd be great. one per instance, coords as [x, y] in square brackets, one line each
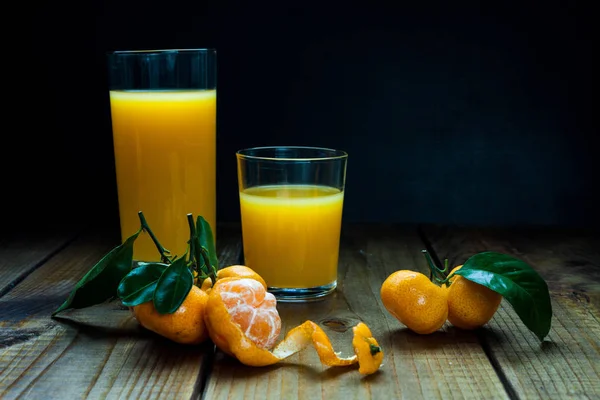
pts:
[448, 335]
[229, 366]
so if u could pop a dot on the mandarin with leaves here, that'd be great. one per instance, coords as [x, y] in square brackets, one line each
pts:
[470, 305]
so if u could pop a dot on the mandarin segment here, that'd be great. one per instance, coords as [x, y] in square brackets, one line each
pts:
[242, 291]
[253, 309]
[415, 301]
[264, 327]
[228, 335]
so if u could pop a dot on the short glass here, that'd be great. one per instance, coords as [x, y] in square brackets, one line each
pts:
[163, 111]
[291, 201]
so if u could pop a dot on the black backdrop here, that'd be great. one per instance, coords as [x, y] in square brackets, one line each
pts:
[460, 113]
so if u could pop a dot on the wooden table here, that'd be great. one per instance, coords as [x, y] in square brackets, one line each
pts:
[101, 352]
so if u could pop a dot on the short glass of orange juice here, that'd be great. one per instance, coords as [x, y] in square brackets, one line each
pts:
[163, 111]
[291, 201]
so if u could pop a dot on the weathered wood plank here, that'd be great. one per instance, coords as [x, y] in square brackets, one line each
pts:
[20, 255]
[442, 365]
[567, 364]
[106, 354]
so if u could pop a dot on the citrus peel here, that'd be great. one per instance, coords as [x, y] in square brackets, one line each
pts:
[230, 337]
[232, 271]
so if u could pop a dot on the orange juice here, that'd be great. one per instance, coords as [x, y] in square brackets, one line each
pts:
[165, 145]
[291, 233]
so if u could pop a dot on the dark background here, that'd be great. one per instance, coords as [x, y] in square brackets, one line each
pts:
[458, 113]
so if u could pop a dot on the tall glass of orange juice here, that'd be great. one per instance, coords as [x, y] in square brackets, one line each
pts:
[163, 111]
[291, 201]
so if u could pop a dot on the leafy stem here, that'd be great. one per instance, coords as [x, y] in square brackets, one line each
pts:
[436, 274]
[164, 253]
[195, 253]
[199, 256]
[192, 241]
[212, 272]
[166, 283]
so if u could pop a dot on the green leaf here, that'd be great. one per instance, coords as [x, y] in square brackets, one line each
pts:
[173, 287]
[207, 240]
[138, 286]
[518, 282]
[101, 282]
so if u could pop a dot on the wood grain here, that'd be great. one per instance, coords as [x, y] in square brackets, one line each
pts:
[101, 352]
[20, 255]
[442, 365]
[567, 363]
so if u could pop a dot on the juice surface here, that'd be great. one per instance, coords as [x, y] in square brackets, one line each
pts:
[165, 156]
[291, 234]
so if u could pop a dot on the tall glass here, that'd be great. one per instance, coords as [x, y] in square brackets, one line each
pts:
[163, 110]
[291, 201]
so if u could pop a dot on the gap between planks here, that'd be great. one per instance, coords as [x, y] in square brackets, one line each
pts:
[565, 364]
[441, 366]
[508, 387]
[228, 250]
[11, 248]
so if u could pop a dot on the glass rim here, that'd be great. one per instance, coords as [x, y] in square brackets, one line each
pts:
[161, 51]
[335, 154]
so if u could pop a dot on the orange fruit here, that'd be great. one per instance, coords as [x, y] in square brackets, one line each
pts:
[234, 271]
[186, 325]
[415, 301]
[470, 305]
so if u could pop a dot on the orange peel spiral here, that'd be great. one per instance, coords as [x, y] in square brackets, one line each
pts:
[231, 339]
